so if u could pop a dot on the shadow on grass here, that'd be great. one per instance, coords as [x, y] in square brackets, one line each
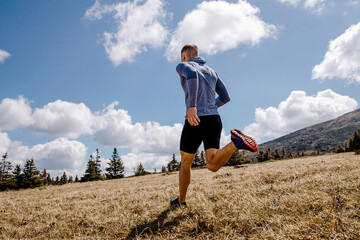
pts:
[156, 226]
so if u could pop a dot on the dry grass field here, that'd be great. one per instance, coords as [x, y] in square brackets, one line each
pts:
[307, 198]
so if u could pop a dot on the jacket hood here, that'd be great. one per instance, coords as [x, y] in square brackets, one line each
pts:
[199, 60]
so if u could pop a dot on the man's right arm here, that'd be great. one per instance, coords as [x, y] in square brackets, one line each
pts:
[221, 90]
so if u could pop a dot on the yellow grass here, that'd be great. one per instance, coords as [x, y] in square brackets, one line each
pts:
[307, 198]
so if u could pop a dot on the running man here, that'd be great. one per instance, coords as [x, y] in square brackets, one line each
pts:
[203, 122]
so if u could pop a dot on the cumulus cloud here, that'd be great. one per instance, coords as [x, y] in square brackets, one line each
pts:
[115, 128]
[316, 6]
[299, 111]
[61, 118]
[14, 113]
[4, 55]
[60, 153]
[217, 26]
[148, 160]
[4, 143]
[342, 59]
[139, 25]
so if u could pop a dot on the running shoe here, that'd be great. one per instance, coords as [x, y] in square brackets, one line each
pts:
[242, 141]
[175, 203]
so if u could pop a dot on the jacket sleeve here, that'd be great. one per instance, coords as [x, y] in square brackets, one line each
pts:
[223, 97]
[188, 72]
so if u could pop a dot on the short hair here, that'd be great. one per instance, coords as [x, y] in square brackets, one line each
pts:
[190, 50]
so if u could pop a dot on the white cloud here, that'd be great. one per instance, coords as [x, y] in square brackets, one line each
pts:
[299, 111]
[14, 113]
[342, 60]
[115, 128]
[4, 143]
[4, 55]
[139, 26]
[316, 6]
[291, 2]
[60, 153]
[218, 26]
[148, 160]
[61, 118]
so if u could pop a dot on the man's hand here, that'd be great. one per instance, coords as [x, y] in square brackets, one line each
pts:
[191, 115]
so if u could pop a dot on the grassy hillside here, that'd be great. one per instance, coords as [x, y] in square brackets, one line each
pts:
[308, 198]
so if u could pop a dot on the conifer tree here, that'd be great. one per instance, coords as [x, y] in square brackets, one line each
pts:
[57, 180]
[76, 179]
[90, 172]
[196, 161]
[98, 165]
[173, 165]
[31, 174]
[5, 173]
[44, 177]
[63, 179]
[140, 170]
[163, 169]
[49, 179]
[356, 140]
[17, 176]
[202, 159]
[70, 179]
[115, 167]
[283, 153]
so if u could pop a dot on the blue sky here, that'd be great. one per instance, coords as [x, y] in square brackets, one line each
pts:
[81, 75]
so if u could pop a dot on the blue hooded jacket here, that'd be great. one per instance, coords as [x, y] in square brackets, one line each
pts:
[201, 84]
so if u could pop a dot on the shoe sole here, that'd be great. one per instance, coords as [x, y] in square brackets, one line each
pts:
[248, 141]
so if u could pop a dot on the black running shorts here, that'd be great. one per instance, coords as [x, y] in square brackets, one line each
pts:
[208, 131]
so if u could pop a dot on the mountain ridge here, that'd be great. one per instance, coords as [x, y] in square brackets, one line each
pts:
[321, 137]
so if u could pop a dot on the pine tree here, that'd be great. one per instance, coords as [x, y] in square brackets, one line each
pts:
[31, 174]
[5, 173]
[356, 140]
[202, 159]
[339, 149]
[163, 169]
[63, 179]
[276, 154]
[173, 165]
[140, 170]
[76, 179]
[116, 167]
[98, 165]
[90, 172]
[196, 161]
[57, 180]
[17, 176]
[70, 179]
[237, 158]
[283, 153]
[49, 179]
[44, 177]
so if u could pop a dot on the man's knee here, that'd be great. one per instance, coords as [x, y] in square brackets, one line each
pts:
[212, 168]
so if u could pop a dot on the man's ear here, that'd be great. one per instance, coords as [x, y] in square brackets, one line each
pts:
[183, 57]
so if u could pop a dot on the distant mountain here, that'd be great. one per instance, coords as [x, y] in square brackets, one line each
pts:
[323, 136]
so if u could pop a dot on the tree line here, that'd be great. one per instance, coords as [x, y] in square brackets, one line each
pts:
[351, 145]
[29, 176]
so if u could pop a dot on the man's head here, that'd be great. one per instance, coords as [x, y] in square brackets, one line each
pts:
[189, 51]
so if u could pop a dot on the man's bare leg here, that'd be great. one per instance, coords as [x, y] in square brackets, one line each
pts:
[216, 158]
[185, 174]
